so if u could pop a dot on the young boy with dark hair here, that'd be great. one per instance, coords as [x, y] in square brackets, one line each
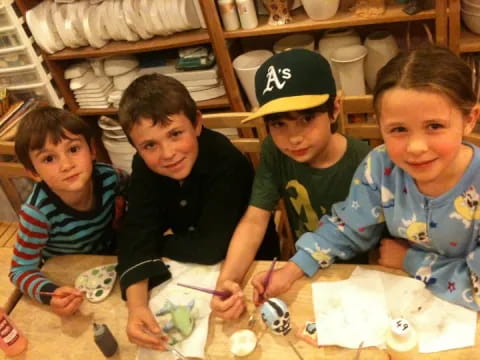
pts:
[303, 160]
[71, 208]
[189, 188]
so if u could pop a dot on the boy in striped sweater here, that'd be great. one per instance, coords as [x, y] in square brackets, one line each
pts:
[71, 209]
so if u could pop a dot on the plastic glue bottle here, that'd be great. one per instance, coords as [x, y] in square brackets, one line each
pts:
[12, 341]
[104, 339]
[402, 343]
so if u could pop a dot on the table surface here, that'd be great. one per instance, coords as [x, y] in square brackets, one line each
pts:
[55, 338]
[9, 294]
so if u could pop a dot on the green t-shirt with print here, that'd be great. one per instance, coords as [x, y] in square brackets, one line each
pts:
[308, 192]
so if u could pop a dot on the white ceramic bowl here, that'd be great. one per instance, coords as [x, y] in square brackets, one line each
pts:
[472, 21]
[121, 64]
[471, 7]
[302, 41]
[320, 9]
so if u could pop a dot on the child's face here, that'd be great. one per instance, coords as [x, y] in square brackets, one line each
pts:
[169, 150]
[304, 139]
[65, 167]
[423, 134]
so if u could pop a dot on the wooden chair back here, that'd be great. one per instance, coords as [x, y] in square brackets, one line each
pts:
[250, 135]
[354, 105]
[8, 172]
[370, 131]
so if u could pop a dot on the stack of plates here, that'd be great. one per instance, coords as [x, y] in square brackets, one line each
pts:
[201, 84]
[89, 90]
[115, 141]
[80, 23]
[93, 82]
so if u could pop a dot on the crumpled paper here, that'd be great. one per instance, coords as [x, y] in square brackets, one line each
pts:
[370, 299]
[192, 274]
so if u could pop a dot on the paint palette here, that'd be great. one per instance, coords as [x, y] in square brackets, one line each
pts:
[97, 283]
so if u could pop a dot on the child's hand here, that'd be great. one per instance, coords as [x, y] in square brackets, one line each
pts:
[143, 330]
[232, 307]
[280, 282]
[392, 252]
[66, 300]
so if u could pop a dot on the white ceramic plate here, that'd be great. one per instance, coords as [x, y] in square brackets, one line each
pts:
[126, 33]
[121, 64]
[76, 70]
[198, 8]
[190, 14]
[93, 35]
[80, 82]
[104, 90]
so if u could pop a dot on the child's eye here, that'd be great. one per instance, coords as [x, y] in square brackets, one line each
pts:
[276, 124]
[308, 118]
[74, 149]
[176, 133]
[435, 126]
[398, 129]
[47, 159]
[148, 146]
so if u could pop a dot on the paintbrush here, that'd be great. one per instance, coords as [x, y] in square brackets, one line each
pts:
[251, 319]
[266, 281]
[46, 293]
[222, 294]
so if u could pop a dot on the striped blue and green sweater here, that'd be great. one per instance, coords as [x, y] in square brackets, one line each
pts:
[48, 227]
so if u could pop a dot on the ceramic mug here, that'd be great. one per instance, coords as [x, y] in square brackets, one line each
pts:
[348, 61]
[333, 39]
[246, 65]
[381, 46]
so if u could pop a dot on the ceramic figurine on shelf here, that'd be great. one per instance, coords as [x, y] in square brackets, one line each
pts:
[276, 316]
[181, 322]
[414, 6]
[279, 11]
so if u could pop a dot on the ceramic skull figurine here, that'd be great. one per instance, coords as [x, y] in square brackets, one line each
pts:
[276, 316]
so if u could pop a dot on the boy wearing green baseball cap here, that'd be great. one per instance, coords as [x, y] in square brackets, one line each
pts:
[303, 160]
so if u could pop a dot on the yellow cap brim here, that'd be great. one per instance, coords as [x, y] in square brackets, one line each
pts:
[286, 104]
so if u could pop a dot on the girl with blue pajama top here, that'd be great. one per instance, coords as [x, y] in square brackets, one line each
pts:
[422, 185]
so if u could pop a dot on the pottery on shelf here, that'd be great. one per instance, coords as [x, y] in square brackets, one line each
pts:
[320, 9]
[333, 39]
[279, 11]
[348, 61]
[381, 46]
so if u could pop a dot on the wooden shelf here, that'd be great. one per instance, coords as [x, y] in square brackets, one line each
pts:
[469, 42]
[186, 38]
[217, 103]
[301, 22]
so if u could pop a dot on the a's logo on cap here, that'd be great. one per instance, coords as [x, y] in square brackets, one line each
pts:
[273, 79]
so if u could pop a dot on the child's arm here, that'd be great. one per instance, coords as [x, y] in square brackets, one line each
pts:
[31, 238]
[142, 327]
[453, 279]
[141, 231]
[244, 245]
[225, 200]
[355, 226]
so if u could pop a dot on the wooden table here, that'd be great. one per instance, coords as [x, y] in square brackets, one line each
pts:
[9, 294]
[54, 338]
[8, 233]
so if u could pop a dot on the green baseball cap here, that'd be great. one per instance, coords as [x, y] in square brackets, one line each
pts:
[293, 80]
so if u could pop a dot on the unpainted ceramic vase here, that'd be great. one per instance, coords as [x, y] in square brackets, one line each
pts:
[279, 11]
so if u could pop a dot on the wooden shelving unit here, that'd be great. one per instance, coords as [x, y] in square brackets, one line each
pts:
[217, 103]
[461, 40]
[219, 40]
[187, 38]
[343, 18]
